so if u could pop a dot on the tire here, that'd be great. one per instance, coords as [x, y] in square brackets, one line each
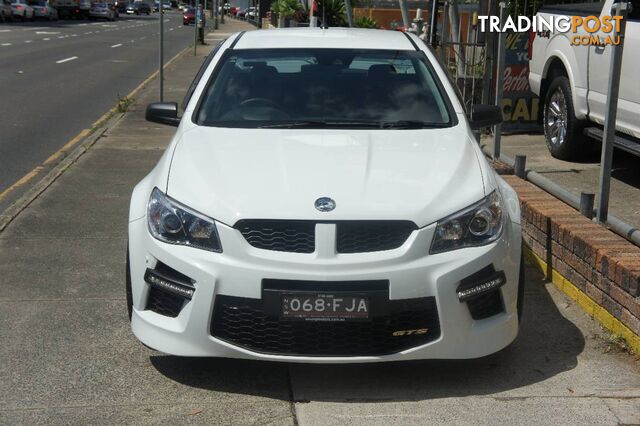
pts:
[128, 287]
[562, 130]
[521, 281]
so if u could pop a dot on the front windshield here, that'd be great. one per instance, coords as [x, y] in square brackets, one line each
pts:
[323, 88]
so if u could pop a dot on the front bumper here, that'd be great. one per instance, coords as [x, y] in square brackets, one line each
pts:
[238, 274]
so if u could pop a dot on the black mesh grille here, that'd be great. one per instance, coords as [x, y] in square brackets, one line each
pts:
[486, 306]
[164, 303]
[368, 236]
[279, 235]
[299, 236]
[242, 322]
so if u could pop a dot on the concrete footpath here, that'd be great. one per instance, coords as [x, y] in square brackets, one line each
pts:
[67, 354]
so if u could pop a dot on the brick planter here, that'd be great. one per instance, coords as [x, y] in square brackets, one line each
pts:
[591, 264]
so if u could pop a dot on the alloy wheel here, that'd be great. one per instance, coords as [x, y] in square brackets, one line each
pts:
[556, 121]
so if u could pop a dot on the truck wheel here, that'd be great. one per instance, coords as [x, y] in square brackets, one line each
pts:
[562, 130]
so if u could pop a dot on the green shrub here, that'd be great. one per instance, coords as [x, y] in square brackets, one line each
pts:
[285, 8]
[366, 22]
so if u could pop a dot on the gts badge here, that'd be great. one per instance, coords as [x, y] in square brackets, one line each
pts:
[410, 332]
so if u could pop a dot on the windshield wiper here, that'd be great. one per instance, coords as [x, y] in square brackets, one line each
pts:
[410, 124]
[317, 124]
[309, 124]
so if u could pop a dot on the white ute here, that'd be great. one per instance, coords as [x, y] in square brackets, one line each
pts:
[572, 82]
[324, 200]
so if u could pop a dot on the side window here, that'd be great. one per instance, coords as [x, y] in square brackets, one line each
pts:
[203, 67]
[635, 10]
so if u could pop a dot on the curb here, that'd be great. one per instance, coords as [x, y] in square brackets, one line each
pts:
[82, 143]
[591, 307]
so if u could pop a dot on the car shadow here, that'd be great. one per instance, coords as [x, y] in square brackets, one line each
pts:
[548, 344]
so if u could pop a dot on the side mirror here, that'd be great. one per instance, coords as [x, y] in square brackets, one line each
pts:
[163, 113]
[485, 116]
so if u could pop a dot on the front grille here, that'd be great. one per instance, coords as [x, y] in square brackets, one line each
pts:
[164, 303]
[298, 236]
[242, 322]
[279, 235]
[368, 236]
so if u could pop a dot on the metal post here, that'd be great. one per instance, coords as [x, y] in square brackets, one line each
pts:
[586, 204]
[433, 23]
[195, 29]
[313, 20]
[347, 6]
[497, 130]
[161, 71]
[216, 12]
[520, 165]
[222, 12]
[610, 116]
[405, 14]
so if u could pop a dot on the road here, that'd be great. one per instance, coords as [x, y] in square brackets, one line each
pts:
[56, 79]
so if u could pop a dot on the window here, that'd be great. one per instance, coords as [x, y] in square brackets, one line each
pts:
[258, 88]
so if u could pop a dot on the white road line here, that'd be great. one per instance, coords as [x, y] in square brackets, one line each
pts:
[27, 41]
[142, 38]
[66, 60]
[116, 45]
[82, 25]
[47, 32]
[6, 44]
[46, 39]
[5, 31]
[90, 32]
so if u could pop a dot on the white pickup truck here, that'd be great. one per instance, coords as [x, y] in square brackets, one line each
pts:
[572, 82]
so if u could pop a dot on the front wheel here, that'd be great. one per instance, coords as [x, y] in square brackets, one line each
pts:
[562, 130]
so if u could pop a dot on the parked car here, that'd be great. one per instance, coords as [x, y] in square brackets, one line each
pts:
[189, 16]
[242, 13]
[21, 10]
[252, 13]
[42, 10]
[71, 8]
[324, 200]
[6, 14]
[572, 82]
[138, 8]
[102, 11]
[121, 6]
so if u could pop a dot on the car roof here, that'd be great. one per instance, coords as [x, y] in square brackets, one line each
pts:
[336, 38]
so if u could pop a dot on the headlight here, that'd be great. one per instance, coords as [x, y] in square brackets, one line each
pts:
[174, 223]
[477, 225]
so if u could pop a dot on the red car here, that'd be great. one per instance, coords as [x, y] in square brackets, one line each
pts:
[189, 16]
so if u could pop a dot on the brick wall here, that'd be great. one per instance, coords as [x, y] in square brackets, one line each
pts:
[597, 261]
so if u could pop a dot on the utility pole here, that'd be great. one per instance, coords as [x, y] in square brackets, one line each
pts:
[615, 70]
[161, 71]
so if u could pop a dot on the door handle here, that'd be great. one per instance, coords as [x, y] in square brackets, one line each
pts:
[599, 49]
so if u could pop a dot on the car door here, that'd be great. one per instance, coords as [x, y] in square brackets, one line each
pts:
[628, 117]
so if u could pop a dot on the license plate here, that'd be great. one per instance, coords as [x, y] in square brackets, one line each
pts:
[325, 307]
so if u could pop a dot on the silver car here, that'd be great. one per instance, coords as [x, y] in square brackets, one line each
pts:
[102, 11]
[43, 10]
[5, 11]
[21, 10]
